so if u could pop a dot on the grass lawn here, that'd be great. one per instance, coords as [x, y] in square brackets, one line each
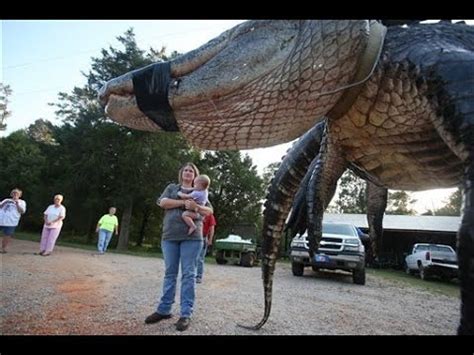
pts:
[450, 288]
[77, 242]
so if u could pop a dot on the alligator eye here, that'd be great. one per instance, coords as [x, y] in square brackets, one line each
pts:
[175, 84]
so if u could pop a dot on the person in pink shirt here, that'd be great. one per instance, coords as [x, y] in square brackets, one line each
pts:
[53, 221]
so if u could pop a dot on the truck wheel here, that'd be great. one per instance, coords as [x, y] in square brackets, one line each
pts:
[358, 276]
[297, 269]
[423, 273]
[220, 257]
[247, 259]
[446, 278]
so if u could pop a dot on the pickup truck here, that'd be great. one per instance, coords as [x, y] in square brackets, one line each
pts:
[340, 248]
[432, 259]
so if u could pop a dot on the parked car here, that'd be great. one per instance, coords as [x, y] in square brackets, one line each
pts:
[340, 248]
[432, 260]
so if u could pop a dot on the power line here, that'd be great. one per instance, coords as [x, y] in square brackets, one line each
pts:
[174, 34]
[48, 59]
[73, 54]
[39, 91]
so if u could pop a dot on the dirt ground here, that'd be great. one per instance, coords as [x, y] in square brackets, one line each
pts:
[78, 292]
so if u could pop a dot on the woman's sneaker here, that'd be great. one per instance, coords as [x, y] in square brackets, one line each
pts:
[156, 317]
[183, 323]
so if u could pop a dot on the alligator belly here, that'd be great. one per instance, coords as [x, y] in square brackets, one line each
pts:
[412, 171]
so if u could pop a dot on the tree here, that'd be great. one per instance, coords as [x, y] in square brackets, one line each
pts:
[22, 165]
[111, 164]
[96, 163]
[5, 92]
[352, 194]
[452, 207]
[41, 131]
[398, 203]
[94, 146]
[236, 190]
[269, 172]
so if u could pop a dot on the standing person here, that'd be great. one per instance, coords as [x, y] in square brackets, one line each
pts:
[53, 221]
[179, 247]
[11, 210]
[105, 227]
[208, 229]
[200, 195]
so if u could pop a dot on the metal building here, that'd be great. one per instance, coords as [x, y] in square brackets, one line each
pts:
[402, 231]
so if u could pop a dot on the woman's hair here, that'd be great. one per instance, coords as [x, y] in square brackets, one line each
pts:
[60, 196]
[180, 174]
[17, 190]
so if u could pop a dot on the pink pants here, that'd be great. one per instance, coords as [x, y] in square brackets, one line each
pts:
[48, 238]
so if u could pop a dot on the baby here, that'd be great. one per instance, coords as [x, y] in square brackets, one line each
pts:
[199, 195]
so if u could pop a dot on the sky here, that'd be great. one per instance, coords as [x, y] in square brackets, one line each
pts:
[41, 58]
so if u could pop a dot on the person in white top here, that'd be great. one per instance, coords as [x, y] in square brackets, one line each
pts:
[11, 210]
[53, 221]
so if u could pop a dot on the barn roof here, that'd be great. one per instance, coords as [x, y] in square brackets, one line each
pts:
[401, 222]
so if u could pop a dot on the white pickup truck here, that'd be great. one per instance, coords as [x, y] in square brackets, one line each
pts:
[432, 259]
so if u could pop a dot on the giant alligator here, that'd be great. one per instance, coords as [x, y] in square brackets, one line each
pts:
[398, 104]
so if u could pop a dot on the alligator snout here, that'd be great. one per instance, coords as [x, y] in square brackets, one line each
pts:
[103, 96]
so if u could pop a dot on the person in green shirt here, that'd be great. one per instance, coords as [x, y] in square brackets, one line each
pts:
[106, 226]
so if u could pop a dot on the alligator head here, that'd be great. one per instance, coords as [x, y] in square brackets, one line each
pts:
[258, 84]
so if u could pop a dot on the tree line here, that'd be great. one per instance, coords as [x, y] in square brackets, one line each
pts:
[352, 198]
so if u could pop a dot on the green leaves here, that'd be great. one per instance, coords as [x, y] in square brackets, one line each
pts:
[5, 92]
[95, 163]
[236, 190]
[352, 194]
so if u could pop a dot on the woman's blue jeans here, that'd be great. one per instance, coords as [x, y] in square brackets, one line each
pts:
[104, 240]
[174, 253]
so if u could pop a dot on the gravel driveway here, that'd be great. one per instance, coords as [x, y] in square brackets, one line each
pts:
[76, 292]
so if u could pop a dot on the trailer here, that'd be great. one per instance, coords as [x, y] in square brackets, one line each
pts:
[236, 250]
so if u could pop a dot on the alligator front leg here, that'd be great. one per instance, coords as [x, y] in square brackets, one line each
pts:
[376, 205]
[465, 247]
[321, 188]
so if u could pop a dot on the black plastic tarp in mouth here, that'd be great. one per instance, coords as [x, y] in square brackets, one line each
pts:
[151, 90]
